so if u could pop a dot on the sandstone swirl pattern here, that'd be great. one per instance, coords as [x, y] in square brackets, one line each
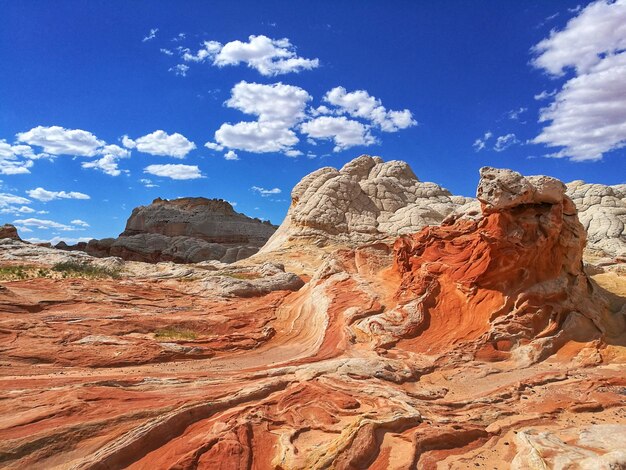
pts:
[403, 353]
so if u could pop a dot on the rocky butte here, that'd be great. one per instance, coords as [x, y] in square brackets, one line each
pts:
[386, 324]
[185, 230]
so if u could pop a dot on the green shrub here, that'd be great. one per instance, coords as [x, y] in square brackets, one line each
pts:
[82, 269]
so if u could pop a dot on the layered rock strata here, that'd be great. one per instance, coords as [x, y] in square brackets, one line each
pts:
[388, 357]
[186, 230]
[367, 200]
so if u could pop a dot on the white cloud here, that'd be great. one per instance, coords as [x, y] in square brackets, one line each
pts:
[23, 229]
[108, 164]
[148, 183]
[514, 114]
[504, 142]
[599, 30]
[16, 159]
[481, 143]
[44, 195]
[293, 153]
[588, 115]
[151, 35]
[179, 69]
[230, 155]
[162, 144]
[257, 137]
[6, 201]
[80, 223]
[176, 172]
[360, 104]
[270, 57]
[344, 132]
[214, 146]
[271, 103]
[56, 140]
[55, 240]
[544, 95]
[44, 224]
[265, 192]
[166, 51]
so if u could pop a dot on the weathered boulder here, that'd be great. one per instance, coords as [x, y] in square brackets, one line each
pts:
[366, 201]
[602, 211]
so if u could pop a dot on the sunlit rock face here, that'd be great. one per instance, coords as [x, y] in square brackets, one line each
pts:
[403, 352]
[365, 201]
[9, 231]
[602, 211]
[509, 280]
[185, 230]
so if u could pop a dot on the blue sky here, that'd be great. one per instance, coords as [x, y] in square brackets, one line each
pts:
[279, 89]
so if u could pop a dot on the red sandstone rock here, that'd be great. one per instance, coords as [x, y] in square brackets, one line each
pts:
[415, 357]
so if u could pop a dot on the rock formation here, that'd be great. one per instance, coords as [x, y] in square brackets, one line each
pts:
[368, 200]
[186, 230]
[602, 211]
[9, 231]
[411, 353]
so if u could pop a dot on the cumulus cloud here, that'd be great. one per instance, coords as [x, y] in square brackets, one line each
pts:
[257, 137]
[108, 163]
[231, 155]
[151, 35]
[480, 143]
[162, 144]
[270, 57]
[265, 192]
[588, 115]
[360, 104]
[504, 142]
[344, 132]
[277, 107]
[56, 140]
[175, 172]
[80, 223]
[44, 224]
[44, 195]
[214, 146]
[277, 103]
[15, 159]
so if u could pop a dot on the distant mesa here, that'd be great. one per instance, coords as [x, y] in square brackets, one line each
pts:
[185, 230]
[9, 231]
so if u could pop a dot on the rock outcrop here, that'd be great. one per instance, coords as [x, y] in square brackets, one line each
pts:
[368, 200]
[509, 279]
[602, 211]
[9, 231]
[186, 230]
[392, 356]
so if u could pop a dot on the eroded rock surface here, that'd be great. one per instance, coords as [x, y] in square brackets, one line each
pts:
[367, 200]
[602, 211]
[388, 357]
[9, 231]
[185, 230]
